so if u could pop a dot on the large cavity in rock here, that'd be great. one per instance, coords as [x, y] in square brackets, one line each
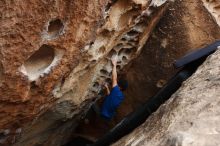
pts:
[40, 62]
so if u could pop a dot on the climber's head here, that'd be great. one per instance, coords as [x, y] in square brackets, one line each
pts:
[123, 84]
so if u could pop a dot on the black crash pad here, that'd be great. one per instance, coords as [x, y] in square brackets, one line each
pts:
[197, 54]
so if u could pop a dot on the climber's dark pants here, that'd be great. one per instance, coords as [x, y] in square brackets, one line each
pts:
[95, 117]
[95, 109]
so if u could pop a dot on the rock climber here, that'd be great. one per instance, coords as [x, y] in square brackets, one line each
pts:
[114, 97]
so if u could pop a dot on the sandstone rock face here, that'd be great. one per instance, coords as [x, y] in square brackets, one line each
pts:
[54, 56]
[190, 117]
[185, 26]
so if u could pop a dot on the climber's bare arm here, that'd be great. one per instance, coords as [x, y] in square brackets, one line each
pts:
[107, 88]
[114, 72]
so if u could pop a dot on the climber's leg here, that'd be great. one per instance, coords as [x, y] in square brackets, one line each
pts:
[96, 108]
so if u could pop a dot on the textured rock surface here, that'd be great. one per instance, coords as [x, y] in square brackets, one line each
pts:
[190, 117]
[54, 54]
[186, 25]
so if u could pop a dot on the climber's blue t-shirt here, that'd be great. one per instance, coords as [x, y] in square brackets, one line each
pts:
[112, 102]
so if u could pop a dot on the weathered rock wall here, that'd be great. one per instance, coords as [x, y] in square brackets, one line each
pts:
[54, 56]
[186, 25]
[190, 117]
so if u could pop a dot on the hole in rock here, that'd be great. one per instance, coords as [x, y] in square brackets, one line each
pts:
[118, 46]
[102, 50]
[96, 85]
[33, 84]
[108, 80]
[118, 67]
[112, 53]
[124, 58]
[131, 44]
[133, 33]
[55, 27]
[93, 61]
[121, 52]
[135, 49]
[103, 72]
[2, 135]
[103, 77]
[129, 38]
[126, 51]
[107, 7]
[123, 39]
[217, 7]
[118, 62]
[105, 33]
[63, 81]
[40, 62]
